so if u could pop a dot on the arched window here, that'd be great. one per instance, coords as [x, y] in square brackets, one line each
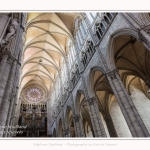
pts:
[84, 58]
[98, 34]
[78, 42]
[100, 31]
[69, 59]
[83, 29]
[80, 35]
[91, 17]
[93, 14]
[73, 52]
[63, 71]
[90, 47]
[106, 20]
[109, 15]
[76, 23]
[102, 27]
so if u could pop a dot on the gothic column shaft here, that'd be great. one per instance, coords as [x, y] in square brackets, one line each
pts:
[78, 126]
[127, 107]
[80, 64]
[9, 116]
[5, 103]
[111, 128]
[4, 81]
[13, 100]
[2, 64]
[97, 124]
[15, 90]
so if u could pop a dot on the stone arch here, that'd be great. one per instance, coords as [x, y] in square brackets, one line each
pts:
[106, 19]
[77, 102]
[114, 35]
[129, 56]
[65, 114]
[90, 79]
[101, 89]
[69, 122]
[83, 111]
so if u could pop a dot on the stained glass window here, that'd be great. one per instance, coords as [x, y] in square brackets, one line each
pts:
[34, 94]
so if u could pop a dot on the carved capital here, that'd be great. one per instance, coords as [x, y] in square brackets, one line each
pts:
[66, 131]
[112, 74]
[77, 118]
[92, 100]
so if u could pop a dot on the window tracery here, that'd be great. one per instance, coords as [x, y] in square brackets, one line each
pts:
[34, 94]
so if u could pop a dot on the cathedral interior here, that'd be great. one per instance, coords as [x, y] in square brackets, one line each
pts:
[75, 74]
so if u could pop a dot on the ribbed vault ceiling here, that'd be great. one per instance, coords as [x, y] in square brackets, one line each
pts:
[45, 45]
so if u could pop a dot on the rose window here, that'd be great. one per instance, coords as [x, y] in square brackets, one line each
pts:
[34, 94]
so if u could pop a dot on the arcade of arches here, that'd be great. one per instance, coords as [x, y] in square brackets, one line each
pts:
[75, 74]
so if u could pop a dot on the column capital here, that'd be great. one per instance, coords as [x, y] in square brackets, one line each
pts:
[92, 100]
[112, 74]
[66, 131]
[77, 117]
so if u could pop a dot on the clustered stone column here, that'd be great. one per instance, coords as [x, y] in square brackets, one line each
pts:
[67, 132]
[97, 124]
[9, 70]
[110, 125]
[127, 107]
[78, 125]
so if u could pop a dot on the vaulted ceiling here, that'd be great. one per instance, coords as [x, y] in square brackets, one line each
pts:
[45, 45]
